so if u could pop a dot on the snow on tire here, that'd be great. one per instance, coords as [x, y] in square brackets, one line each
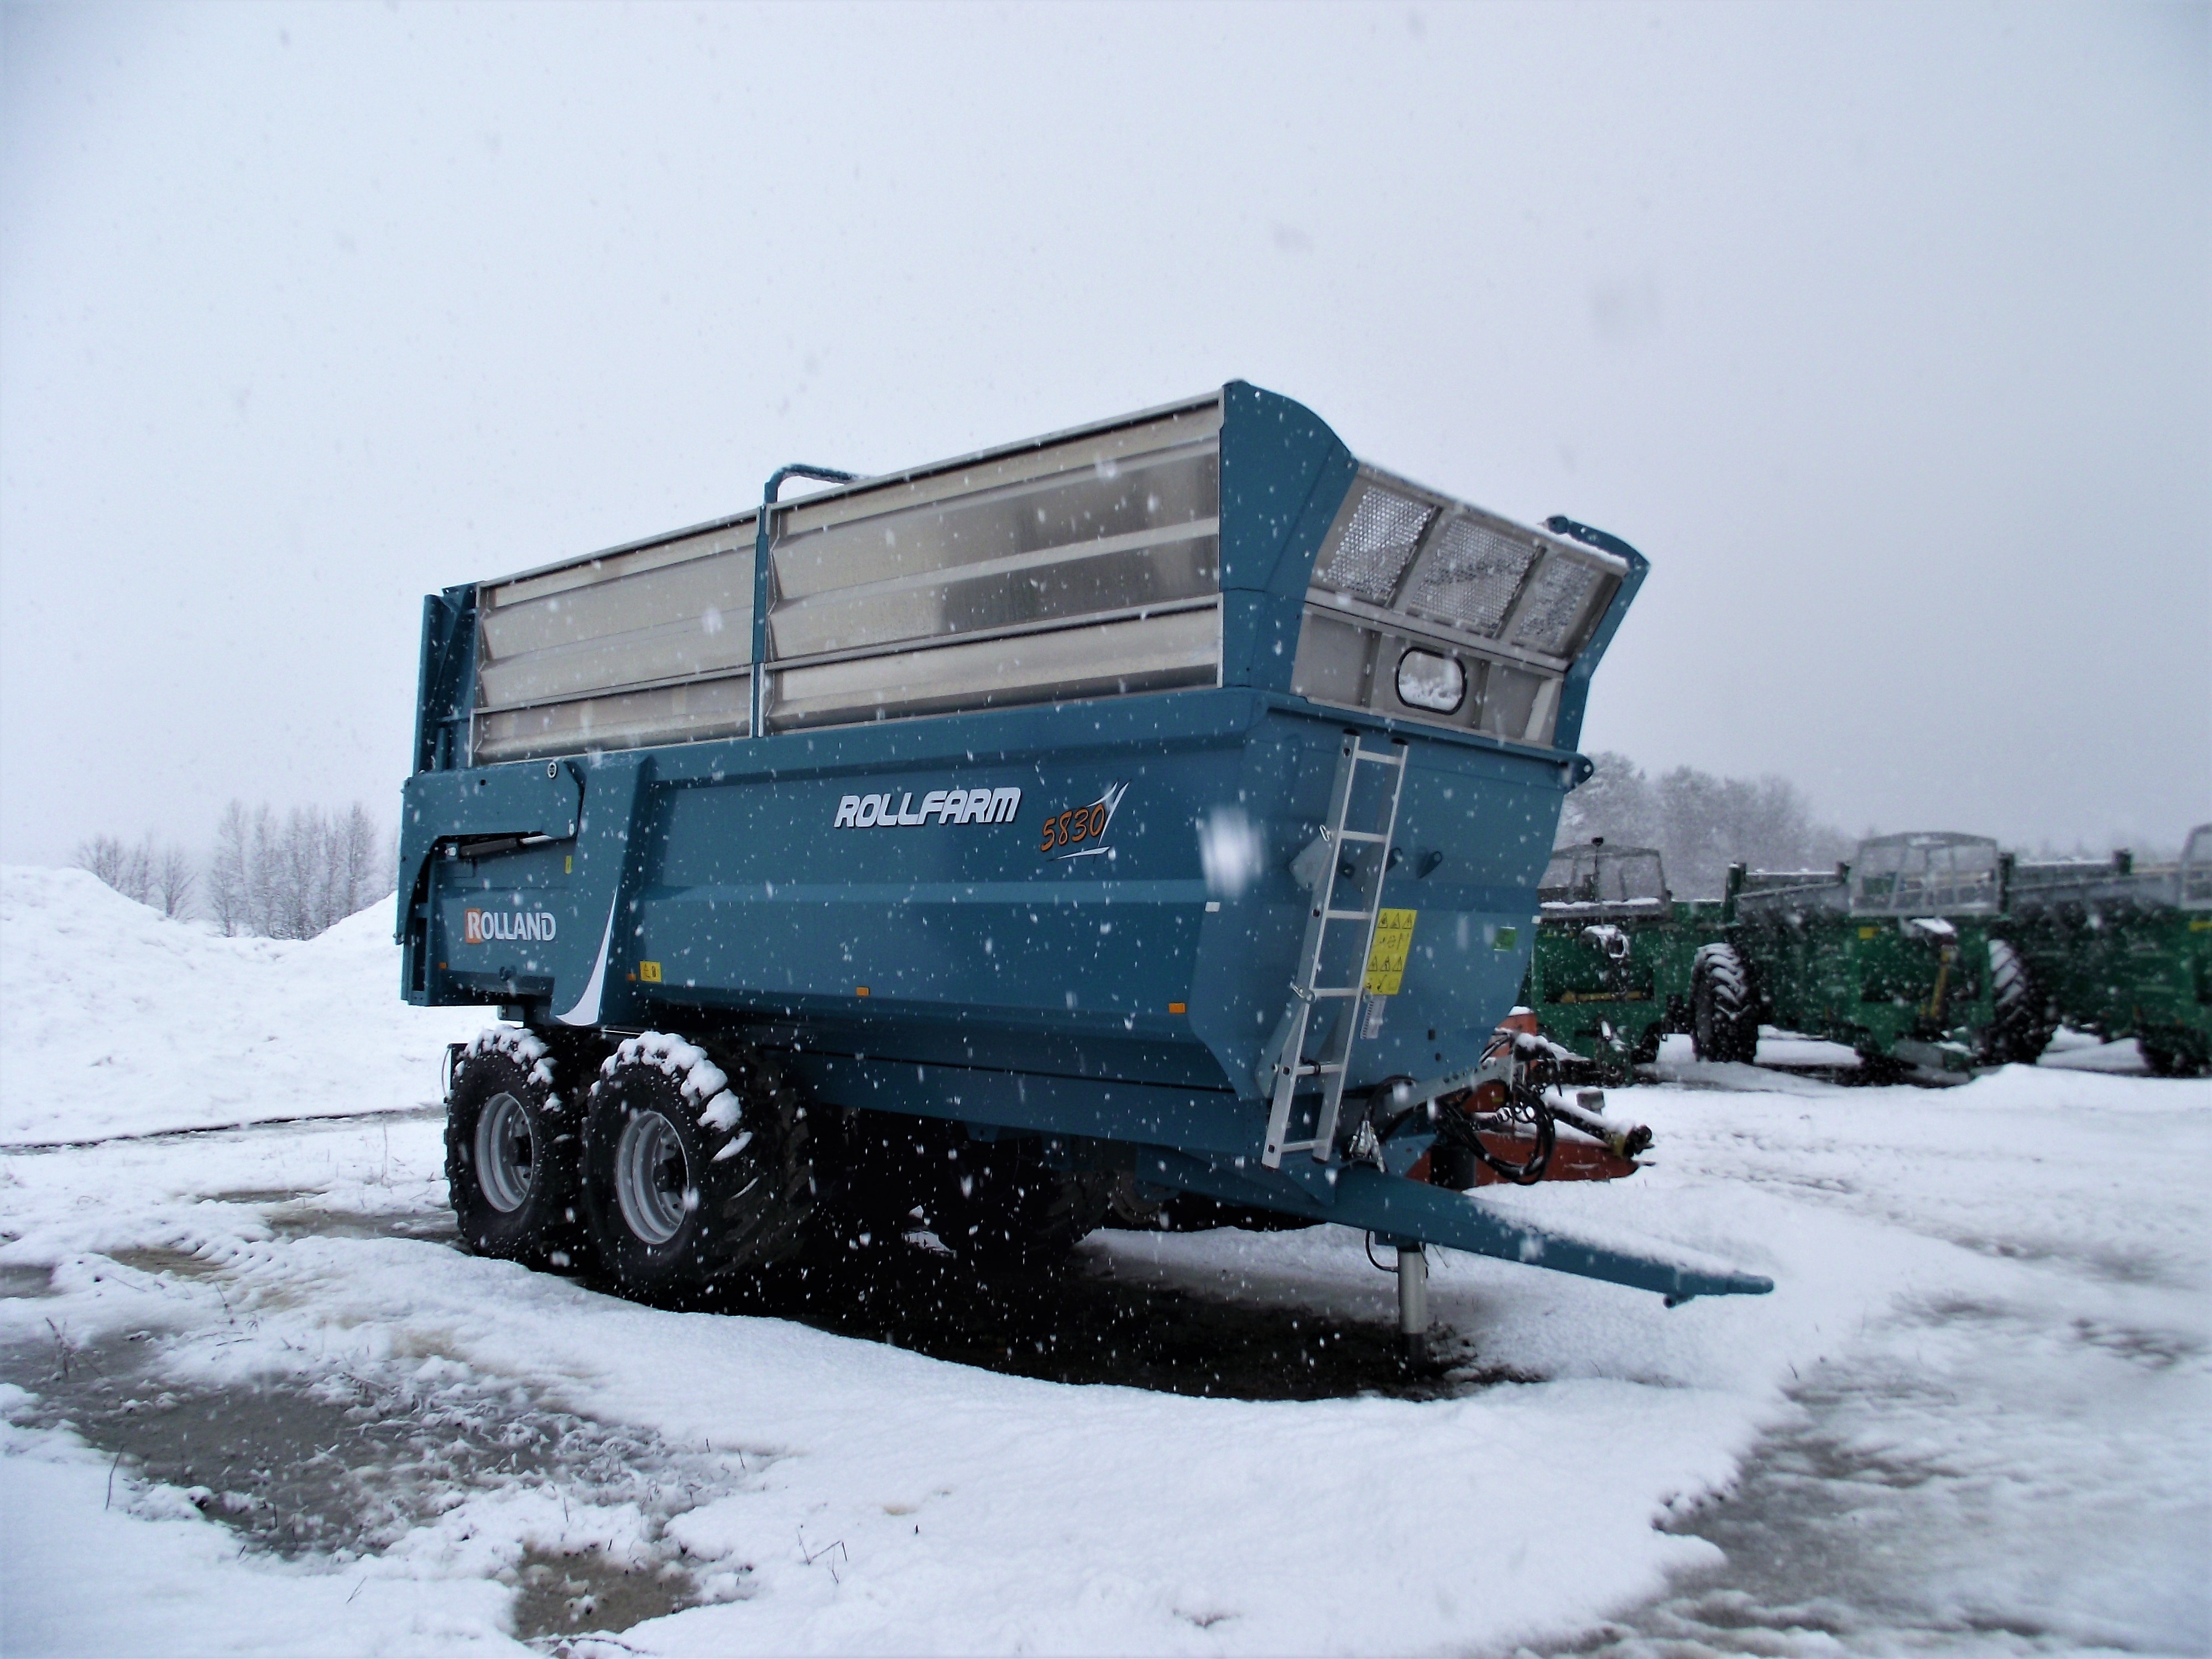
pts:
[512, 1151]
[1723, 1018]
[693, 1175]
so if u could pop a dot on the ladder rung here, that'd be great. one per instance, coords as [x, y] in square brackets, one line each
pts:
[1296, 1146]
[1336, 990]
[1347, 916]
[1360, 834]
[1380, 757]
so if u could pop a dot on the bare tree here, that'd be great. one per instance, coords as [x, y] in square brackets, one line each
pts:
[228, 888]
[263, 901]
[292, 878]
[174, 881]
[1699, 822]
[159, 876]
[128, 869]
[354, 860]
[104, 856]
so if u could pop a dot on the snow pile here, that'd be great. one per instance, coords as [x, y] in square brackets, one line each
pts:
[114, 1020]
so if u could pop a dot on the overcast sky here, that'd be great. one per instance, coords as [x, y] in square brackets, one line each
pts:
[1886, 334]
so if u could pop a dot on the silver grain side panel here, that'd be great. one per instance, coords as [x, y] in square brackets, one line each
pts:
[1075, 569]
[1138, 653]
[597, 654]
[1085, 565]
[690, 712]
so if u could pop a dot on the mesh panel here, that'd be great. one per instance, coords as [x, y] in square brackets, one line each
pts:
[1555, 603]
[1471, 577]
[1377, 545]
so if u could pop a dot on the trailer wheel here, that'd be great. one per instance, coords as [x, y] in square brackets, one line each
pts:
[1000, 1205]
[512, 1151]
[869, 1169]
[1723, 1018]
[2020, 1026]
[693, 1175]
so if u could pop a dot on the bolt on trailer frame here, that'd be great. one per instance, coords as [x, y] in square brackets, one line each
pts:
[990, 792]
[2122, 951]
[1893, 955]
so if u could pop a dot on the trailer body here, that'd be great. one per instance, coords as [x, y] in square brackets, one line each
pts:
[977, 794]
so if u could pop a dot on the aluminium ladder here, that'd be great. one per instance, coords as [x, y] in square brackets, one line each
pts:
[1334, 1063]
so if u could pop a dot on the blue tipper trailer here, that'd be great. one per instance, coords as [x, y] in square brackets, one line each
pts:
[1162, 801]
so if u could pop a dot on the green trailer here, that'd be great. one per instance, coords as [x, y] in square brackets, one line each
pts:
[1899, 955]
[2122, 951]
[1615, 955]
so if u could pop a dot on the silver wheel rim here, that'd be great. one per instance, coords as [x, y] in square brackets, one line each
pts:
[505, 1152]
[653, 1180]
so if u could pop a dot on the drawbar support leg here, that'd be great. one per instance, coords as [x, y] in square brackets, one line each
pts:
[1413, 1304]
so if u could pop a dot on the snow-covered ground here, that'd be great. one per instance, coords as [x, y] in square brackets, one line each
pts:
[258, 1403]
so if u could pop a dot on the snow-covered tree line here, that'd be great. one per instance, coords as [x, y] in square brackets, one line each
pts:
[288, 877]
[163, 876]
[1701, 823]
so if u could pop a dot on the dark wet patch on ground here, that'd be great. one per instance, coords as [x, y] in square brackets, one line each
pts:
[570, 1593]
[1085, 1324]
[432, 1227]
[257, 1125]
[261, 1194]
[1817, 1559]
[339, 1465]
[2114, 1265]
[158, 1259]
[26, 1280]
[1884, 1520]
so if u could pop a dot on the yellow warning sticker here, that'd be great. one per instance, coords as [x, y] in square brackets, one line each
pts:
[1386, 961]
[649, 972]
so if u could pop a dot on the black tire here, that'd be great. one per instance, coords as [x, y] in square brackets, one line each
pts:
[870, 1174]
[514, 1151]
[2019, 1021]
[693, 1175]
[1724, 1014]
[999, 1206]
[2174, 1052]
[1129, 1210]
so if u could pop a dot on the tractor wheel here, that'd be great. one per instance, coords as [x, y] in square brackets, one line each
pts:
[693, 1176]
[2019, 1024]
[1723, 1016]
[1000, 1205]
[512, 1151]
[2174, 1052]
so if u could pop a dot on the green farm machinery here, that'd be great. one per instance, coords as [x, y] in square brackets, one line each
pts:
[1900, 955]
[1930, 954]
[2122, 951]
[1615, 954]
